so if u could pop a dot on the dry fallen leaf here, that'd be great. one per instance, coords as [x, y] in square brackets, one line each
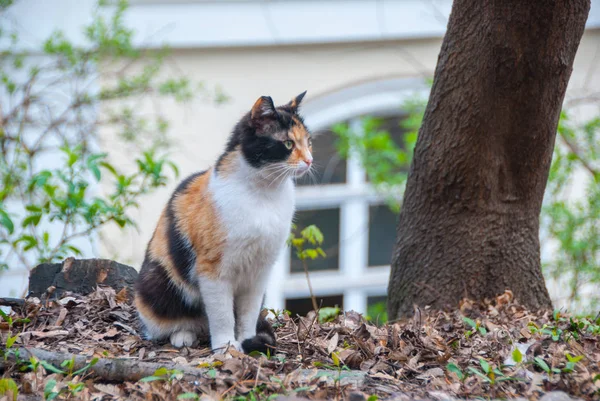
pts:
[48, 334]
[108, 334]
[407, 357]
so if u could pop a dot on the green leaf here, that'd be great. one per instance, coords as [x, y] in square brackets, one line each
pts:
[542, 364]
[8, 385]
[29, 241]
[32, 219]
[484, 365]
[174, 168]
[452, 367]
[151, 379]
[336, 359]
[188, 396]
[470, 322]
[312, 234]
[109, 167]
[86, 367]
[95, 171]
[51, 368]
[556, 314]
[517, 355]
[328, 314]
[6, 318]
[478, 373]
[6, 221]
[11, 340]
[310, 253]
[161, 372]
[49, 389]
[75, 250]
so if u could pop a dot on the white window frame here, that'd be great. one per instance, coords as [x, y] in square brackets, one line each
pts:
[354, 279]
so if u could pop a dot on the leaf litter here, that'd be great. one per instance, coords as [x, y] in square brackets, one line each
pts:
[491, 349]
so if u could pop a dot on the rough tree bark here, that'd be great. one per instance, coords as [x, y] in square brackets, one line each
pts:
[470, 218]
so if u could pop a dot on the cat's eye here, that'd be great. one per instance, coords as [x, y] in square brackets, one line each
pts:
[288, 144]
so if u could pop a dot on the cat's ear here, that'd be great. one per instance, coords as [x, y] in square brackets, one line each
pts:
[263, 109]
[295, 102]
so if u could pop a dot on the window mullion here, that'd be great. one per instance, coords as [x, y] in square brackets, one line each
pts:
[353, 231]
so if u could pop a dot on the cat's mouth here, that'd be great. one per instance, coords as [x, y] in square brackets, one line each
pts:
[301, 169]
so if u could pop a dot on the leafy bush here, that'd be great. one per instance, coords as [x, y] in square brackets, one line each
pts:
[572, 220]
[51, 112]
[386, 162]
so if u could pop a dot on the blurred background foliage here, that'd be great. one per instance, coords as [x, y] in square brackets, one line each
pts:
[51, 113]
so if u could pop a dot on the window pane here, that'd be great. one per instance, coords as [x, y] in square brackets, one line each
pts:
[301, 306]
[392, 126]
[328, 221]
[382, 235]
[328, 167]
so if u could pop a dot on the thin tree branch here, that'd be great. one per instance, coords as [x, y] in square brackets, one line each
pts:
[582, 160]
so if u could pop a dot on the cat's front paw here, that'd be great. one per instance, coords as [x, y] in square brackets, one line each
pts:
[183, 338]
[223, 347]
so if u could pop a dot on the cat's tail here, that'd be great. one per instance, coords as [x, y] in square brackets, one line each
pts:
[264, 341]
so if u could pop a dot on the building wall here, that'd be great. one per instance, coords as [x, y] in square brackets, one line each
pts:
[201, 129]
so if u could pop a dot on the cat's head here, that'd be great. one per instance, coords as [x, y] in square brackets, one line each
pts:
[274, 140]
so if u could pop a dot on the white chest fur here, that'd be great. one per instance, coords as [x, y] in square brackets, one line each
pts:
[257, 220]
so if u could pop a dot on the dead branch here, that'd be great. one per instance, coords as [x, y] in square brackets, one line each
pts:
[12, 302]
[112, 370]
[576, 152]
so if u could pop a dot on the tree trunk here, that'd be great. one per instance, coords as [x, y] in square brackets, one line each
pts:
[470, 218]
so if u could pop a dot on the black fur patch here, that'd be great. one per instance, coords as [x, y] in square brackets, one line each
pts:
[182, 254]
[161, 295]
[259, 151]
[258, 143]
[264, 341]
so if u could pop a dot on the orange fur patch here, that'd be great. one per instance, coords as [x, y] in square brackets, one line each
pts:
[300, 136]
[197, 218]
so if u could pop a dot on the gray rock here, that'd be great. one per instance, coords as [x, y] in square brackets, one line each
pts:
[357, 397]
[80, 276]
[440, 396]
[353, 378]
[557, 396]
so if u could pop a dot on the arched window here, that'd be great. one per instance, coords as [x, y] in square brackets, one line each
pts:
[359, 229]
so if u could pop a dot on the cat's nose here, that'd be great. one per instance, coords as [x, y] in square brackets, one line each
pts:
[308, 161]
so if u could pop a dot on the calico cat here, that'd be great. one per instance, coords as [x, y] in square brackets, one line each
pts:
[208, 261]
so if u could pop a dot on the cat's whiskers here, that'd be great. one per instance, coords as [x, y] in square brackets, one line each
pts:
[284, 174]
[312, 175]
[274, 171]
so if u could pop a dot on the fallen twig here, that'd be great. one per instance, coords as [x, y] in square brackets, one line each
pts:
[12, 302]
[113, 370]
